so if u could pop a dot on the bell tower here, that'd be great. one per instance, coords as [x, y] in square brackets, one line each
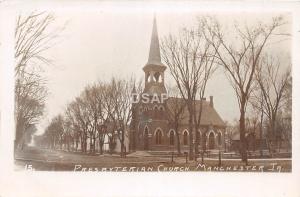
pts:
[154, 69]
[149, 120]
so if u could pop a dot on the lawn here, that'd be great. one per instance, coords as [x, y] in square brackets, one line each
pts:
[49, 160]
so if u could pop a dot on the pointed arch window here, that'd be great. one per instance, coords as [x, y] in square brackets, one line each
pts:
[172, 137]
[211, 140]
[158, 137]
[219, 139]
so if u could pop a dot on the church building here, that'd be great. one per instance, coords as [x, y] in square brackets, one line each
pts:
[152, 129]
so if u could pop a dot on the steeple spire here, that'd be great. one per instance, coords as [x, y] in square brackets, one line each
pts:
[154, 53]
[154, 69]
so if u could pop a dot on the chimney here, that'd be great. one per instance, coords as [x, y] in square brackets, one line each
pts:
[211, 101]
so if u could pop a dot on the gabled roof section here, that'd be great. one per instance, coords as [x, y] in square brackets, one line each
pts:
[209, 115]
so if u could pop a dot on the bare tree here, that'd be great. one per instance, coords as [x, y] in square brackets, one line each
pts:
[240, 58]
[93, 104]
[257, 103]
[100, 117]
[67, 135]
[85, 115]
[287, 114]
[120, 111]
[30, 95]
[176, 107]
[252, 124]
[272, 82]
[77, 113]
[135, 96]
[32, 39]
[187, 56]
[72, 118]
[208, 67]
[54, 132]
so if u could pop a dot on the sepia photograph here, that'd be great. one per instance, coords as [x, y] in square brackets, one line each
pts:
[163, 89]
[157, 91]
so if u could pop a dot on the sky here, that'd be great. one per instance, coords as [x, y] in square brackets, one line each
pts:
[98, 44]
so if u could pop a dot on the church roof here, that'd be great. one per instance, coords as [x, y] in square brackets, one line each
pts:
[209, 115]
[154, 52]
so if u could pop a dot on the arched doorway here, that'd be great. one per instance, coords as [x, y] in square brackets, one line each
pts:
[172, 134]
[185, 138]
[146, 142]
[158, 137]
[211, 141]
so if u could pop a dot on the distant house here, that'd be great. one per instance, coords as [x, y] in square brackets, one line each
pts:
[151, 127]
[253, 141]
[116, 141]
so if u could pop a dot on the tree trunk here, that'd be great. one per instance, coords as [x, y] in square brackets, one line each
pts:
[82, 144]
[191, 155]
[101, 148]
[68, 143]
[122, 144]
[85, 144]
[94, 144]
[196, 143]
[197, 127]
[261, 133]
[20, 130]
[122, 148]
[110, 145]
[76, 145]
[272, 136]
[279, 148]
[60, 144]
[242, 134]
[91, 144]
[100, 145]
[203, 137]
[178, 142]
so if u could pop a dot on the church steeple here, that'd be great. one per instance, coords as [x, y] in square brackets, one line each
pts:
[154, 69]
[154, 53]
